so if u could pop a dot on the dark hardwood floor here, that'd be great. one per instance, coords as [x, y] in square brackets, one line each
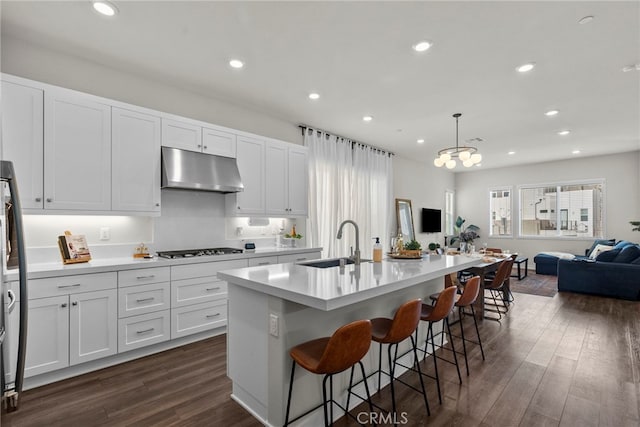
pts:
[570, 360]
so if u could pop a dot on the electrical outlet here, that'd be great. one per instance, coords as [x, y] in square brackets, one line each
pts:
[273, 325]
[105, 233]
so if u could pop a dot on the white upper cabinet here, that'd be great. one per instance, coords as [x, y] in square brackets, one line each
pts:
[77, 152]
[276, 178]
[22, 139]
[251, 164]
[183, 135]
[218, 142]
[286, 179]
[298, 178]
[135, 178]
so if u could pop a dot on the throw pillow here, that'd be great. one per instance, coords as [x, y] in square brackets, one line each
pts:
[621, 244]
[598, 250]
[627, 254]
[608, 242]
[608, 256]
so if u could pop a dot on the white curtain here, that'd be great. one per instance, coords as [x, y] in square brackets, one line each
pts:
[347, 181]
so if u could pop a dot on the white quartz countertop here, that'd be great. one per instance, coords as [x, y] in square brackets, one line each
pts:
[56, 269]
[334, 287]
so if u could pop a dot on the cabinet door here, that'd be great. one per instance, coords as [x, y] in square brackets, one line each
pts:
[218, 142]
[77, 152]
[185, 136]
[22, 140]
[93, 326]
[265, 260]
[48, 337]
[135, 161]
[276, 185]
[250, 156]
[298, 180]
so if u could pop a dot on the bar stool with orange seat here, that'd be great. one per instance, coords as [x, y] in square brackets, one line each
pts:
[467, 299]
[497, 287]
[329, 356]
[434, 314]
[393, 332]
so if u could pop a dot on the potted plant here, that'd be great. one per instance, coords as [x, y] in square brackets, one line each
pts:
[465, 235]
[412, 248]
[433, 247]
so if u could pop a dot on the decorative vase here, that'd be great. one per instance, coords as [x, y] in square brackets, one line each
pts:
[463, 247]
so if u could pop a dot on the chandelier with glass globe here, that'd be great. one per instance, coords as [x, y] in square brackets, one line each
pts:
[468, 155]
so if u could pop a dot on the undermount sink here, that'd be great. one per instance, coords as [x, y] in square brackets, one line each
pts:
[326, 263]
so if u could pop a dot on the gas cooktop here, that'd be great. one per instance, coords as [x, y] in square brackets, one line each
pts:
[188, 253]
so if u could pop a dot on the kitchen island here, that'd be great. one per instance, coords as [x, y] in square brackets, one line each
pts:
[273, 308]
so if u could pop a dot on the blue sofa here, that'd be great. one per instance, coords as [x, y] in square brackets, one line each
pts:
[548, 264]
[615, 273]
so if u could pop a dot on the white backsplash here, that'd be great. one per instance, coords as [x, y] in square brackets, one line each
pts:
[189, 219]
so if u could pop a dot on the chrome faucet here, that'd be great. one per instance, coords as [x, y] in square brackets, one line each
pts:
[356, 255]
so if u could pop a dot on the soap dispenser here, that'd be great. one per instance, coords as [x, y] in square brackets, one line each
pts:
[377, 251]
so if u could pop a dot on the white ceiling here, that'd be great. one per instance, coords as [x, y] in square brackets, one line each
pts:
[358, 56]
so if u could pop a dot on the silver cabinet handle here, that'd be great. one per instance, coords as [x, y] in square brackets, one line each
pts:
[301, 259]
[199, 145]
[264, 263]
[209, 316]
[238, 207]
[151, 276]
[145, 331]
[49, 200]
[74, 303]
[205, 147]
[38, 199]
[157, 204]
[63, 305]
[213, 289]
[69, 286]
[12, 301]
[145, 299]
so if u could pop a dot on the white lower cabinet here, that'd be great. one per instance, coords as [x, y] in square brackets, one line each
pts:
[143, 299]
[197, 318]
[48, 337]
[145, 329]
[92, 326]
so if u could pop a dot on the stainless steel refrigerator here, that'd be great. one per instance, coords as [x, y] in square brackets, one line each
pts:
[12, 333]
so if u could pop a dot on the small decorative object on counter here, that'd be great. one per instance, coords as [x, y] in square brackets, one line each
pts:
[412, 249]
[433, 247]
[73, 248]
[377, 251]
[399, 243]
[141, 251]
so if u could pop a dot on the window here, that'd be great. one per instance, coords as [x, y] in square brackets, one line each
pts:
[500, 212]
[563, 210]
[448, 213]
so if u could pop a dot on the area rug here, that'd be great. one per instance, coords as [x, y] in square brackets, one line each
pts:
[535, 284]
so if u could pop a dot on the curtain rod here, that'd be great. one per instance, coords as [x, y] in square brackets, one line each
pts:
[305, 127]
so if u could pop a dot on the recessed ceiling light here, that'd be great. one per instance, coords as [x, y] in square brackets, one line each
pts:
[575, 152]
[526, 67]
[236, 63]
[422, 46]
[586, 19]
[628, 68]
[551, 113]
[564, 132]
[420, 141]
[106, 8]
[511, 153]
[367, 118]
[314, 95]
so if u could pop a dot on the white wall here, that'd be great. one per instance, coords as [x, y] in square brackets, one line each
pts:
[622, 197]
[424, 185]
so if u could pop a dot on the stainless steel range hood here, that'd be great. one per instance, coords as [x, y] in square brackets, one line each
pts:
[190, 170]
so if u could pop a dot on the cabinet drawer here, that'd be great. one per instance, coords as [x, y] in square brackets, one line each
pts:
[198, 290]
[143, 330]
[198, 317]
[265, 260]
[65, 285]
[143, 276]
[142, 299]
[298, 257]
[191, 271]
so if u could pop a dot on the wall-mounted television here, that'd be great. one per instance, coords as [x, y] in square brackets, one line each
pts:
[431, 220]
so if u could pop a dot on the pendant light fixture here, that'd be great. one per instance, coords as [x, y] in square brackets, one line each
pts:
[468, 155]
